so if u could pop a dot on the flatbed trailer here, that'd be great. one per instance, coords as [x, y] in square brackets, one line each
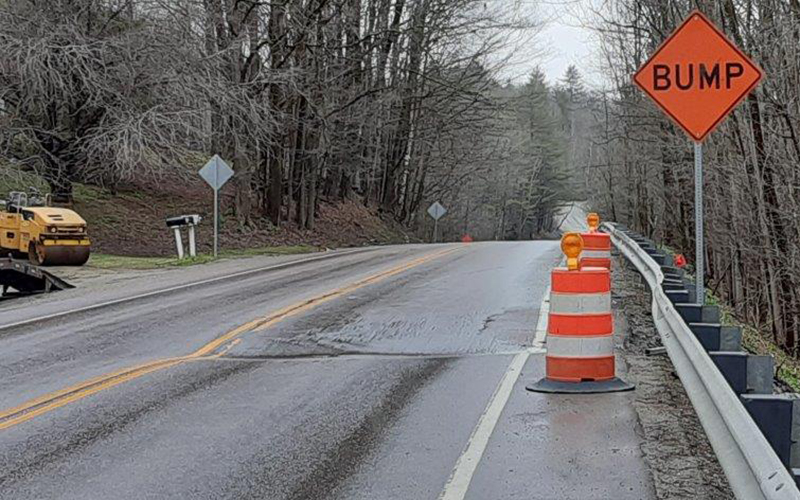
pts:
[25, 278]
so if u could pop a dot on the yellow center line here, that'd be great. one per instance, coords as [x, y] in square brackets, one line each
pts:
[51, 401]
[227, 348]
[68, 391]
[35, 411]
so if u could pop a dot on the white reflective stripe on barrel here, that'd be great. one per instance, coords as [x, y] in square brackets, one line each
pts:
[596, 254]
[580, 347]
[580, 303]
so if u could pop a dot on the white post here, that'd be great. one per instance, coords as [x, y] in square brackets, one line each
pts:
[699, 253]
[192, 245]
[178, 242]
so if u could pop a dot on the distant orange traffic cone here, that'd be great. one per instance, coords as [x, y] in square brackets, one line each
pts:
[597, 245]
[580, 329]
[466, 239]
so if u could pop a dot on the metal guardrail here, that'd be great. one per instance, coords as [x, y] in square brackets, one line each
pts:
[753, 469]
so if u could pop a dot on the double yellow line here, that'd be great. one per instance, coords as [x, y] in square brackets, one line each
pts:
[49, 402]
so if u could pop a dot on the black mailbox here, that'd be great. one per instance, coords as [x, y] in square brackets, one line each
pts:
[184, 220]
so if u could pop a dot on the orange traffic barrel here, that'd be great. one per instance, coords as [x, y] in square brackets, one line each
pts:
[580, 329]
[596, 245]
[597, 250]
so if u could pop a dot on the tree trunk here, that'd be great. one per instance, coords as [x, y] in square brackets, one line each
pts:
[277, 33]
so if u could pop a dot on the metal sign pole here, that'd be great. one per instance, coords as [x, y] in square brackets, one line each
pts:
[699, 253]
[216, 209]
[216, 173]
[436, 211]
[216, 222]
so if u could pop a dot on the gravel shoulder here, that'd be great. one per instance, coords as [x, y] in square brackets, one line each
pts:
[675, 447]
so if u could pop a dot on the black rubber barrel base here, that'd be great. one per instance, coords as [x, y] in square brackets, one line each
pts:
[586, 387]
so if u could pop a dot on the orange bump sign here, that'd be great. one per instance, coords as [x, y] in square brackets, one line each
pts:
[697, 76]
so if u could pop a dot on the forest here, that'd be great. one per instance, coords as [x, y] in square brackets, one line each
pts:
[396, 104]
[642, 168]
[393, 103]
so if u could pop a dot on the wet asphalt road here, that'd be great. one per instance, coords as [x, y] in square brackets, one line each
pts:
[360, 376]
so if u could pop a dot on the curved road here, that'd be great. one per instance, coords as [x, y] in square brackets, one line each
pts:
[360, 375]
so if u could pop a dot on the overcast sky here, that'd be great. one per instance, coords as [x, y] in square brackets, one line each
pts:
[567, 42]
[562, 41]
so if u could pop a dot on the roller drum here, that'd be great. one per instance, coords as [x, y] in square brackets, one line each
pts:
[59, 255]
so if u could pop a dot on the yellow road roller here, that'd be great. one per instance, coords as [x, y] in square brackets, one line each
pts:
[49, 236]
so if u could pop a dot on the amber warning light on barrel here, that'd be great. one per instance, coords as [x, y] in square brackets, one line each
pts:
[572, 246]
[594, 222]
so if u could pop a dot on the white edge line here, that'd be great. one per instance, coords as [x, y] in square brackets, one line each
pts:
[179, 287]
[458, 484]
[540, 337]
[541, 326]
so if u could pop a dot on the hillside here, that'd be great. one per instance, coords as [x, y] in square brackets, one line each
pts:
[132, 222]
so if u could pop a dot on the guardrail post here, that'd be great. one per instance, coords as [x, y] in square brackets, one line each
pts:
[730, 338]
[778, 418]
[760, 374]
[696, 313]
[715, 337]
[709, 335]
[677, 296]
[733, 366]
[671, 272]
[673, 284]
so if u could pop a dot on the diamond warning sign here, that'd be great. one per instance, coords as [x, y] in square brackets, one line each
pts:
[698, 76]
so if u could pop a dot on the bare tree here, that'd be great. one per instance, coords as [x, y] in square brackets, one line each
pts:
[752, 205]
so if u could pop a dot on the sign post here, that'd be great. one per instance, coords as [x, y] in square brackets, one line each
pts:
[697, 77]
[436, 211]
[699, 239]
[216, 173]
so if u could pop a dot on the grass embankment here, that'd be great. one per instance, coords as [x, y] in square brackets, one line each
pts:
[127, 226]
[105, 261]
[755, 341]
